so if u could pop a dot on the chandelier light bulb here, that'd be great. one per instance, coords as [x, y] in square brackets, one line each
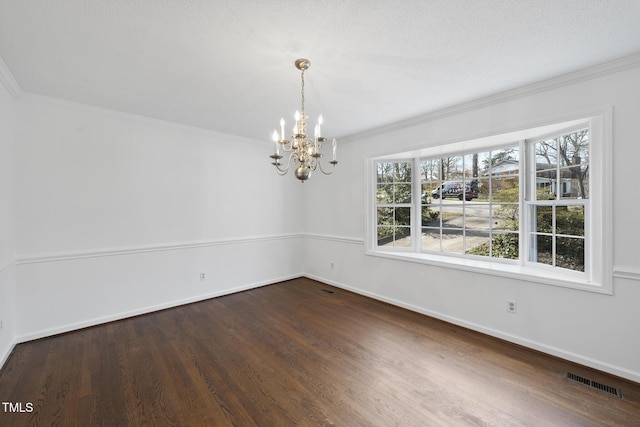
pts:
[275, 140]
[282, 128]
[334, 145]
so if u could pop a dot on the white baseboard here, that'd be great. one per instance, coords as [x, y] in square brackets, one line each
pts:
[145, 310]
[5, 356]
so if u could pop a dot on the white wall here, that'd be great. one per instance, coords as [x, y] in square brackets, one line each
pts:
[593, 329]
[118, 215]
[7, 222]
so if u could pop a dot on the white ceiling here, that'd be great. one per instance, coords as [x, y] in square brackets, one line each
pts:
[227, 65]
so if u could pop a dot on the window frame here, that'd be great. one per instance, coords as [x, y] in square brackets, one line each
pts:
[530, 201]
[395, 205]
[597, 276]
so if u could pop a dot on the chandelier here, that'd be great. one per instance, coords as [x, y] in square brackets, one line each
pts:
[303, 151]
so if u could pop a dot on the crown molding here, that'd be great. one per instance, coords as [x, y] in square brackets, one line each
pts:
[8, 80]
[578, 76]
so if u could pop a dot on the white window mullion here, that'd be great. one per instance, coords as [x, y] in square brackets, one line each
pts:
[416, 187]
[464, 205]
[527, 168]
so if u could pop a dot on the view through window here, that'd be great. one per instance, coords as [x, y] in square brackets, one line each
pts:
[471, 204]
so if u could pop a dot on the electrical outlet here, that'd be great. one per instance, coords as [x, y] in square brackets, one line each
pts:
[203, 276]
[511, 306]
[0, 325]
[333, 264]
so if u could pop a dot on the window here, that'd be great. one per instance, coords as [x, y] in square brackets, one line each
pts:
[518, 204]
[394, 203]
[470, 203]
[558, 200]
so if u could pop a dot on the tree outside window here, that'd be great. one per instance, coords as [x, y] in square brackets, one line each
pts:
[394, 204]
[470, 202]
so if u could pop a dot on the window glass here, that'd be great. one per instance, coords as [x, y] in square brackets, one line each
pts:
[393, 200]
[570, 220]
[542, 250]
[570, 253]
[431, 239]
[574, 165]
[473, 205]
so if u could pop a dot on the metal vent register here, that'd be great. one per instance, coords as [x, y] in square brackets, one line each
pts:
[612, 391]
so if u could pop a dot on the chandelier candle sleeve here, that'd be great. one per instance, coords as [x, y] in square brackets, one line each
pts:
[317, 136]
[303, 152]
[275, 139]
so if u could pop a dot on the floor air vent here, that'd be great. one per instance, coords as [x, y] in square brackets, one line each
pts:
[612, 391]
[327, 291]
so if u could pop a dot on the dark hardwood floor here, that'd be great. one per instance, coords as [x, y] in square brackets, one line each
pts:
[293, 354]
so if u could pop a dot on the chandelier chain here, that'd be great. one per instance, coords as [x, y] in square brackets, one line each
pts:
[302, 78]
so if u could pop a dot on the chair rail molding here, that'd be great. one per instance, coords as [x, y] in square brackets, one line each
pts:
[128, 250]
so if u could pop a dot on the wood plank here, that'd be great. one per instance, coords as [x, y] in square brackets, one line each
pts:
[291, 354]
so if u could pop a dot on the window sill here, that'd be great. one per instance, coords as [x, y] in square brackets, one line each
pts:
[501, 269]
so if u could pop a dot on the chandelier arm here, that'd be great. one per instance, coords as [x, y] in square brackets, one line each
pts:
[333, 163]
[285, 170]
[287, 146]
[314, 163]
